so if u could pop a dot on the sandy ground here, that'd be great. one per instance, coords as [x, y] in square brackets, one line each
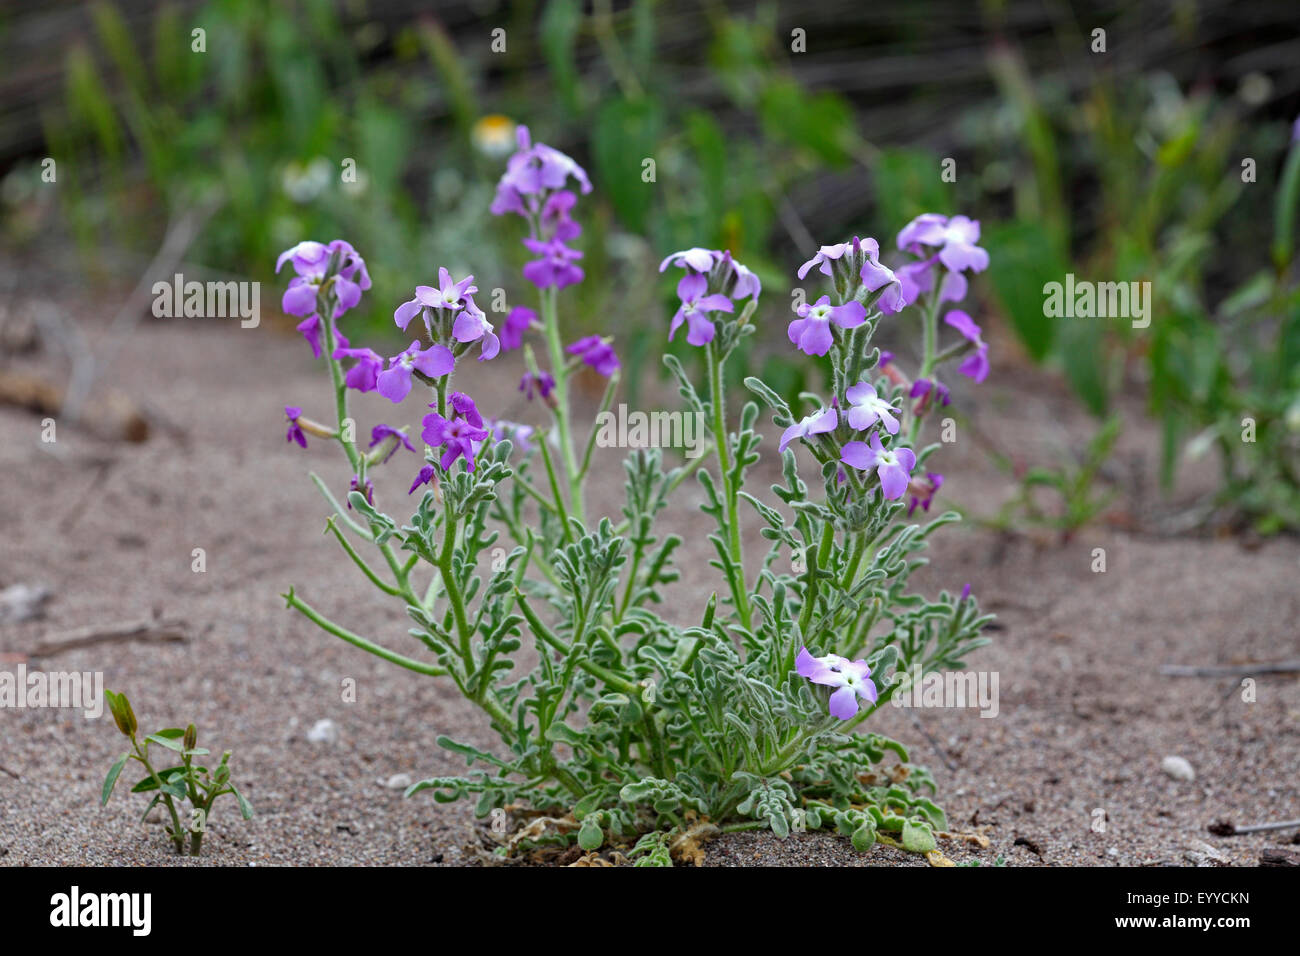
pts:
[1085, 718]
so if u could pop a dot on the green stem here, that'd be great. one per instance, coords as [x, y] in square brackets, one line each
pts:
[555, 347]
[739, 589]
[326, 624]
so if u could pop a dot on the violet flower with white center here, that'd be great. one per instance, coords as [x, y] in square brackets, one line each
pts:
[811, 332]
[395, 437]
[597, 353]
[449, 296]
[955, 239]
[976, 364]
[694, 309]
[537, 383]
[363, 376]
[923, 490]
[893, 468]
[866, 408]
[815, 424]
[295, 433]
[852, 678]
[434, 362]
[519, 320]
[555, 265]
[472, 325]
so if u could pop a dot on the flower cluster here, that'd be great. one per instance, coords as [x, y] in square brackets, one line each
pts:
[708, 290]
[533, 187]
[582, 731]
[862, 427]
[319, 268]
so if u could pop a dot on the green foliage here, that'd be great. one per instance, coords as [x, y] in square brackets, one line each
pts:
[186, 781]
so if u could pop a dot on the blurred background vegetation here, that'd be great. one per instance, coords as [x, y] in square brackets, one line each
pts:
[774, 128]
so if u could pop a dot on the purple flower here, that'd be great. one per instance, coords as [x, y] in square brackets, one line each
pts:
[893, 468]
[725, 275]
[472, 326]
[426, 476]
[701, 260]
[695, 308]
[465, 408]
[368, 492]
[866, 408]
[852, 678]
[922, 491]
[955, 239]
[977, 363]
[815, 424]
[532, 170]
[928, 391]
[310, 260]
[555, 222]
[457, 434]
[811, 332]
[395, 383]
[880, 280]
[521, 436]
[295, 433]
[450, 296]
[965, 592]
[396, 437]
[597, 353]
[537, 383]
[516, 324]
[918, 278]
[555, 265]
[825, 256]
[364, 374]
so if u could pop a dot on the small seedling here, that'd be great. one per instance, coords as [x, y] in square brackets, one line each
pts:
[185, 782]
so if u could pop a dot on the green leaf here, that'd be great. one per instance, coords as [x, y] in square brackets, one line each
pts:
[245, 808]
[625, 134]
[918, 838]
[166, 742]
[111, 780]
[148, 783]
[1025, 262]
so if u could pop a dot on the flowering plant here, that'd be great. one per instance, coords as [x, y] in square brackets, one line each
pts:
[631, 728]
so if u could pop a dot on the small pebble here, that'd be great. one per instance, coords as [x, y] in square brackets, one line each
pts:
[323, 732]
[1178, 768]
[398, 781]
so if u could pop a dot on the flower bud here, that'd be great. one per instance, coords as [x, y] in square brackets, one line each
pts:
[123, 716]
[191, 737]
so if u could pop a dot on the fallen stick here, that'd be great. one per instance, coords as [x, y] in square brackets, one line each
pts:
[1227, 828]
[114, 416]
[1241, 670]
[151, 631]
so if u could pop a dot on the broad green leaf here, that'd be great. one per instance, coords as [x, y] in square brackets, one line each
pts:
[111, 780]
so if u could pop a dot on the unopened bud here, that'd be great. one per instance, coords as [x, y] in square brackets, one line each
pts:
[191, 737]
[123, 716]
